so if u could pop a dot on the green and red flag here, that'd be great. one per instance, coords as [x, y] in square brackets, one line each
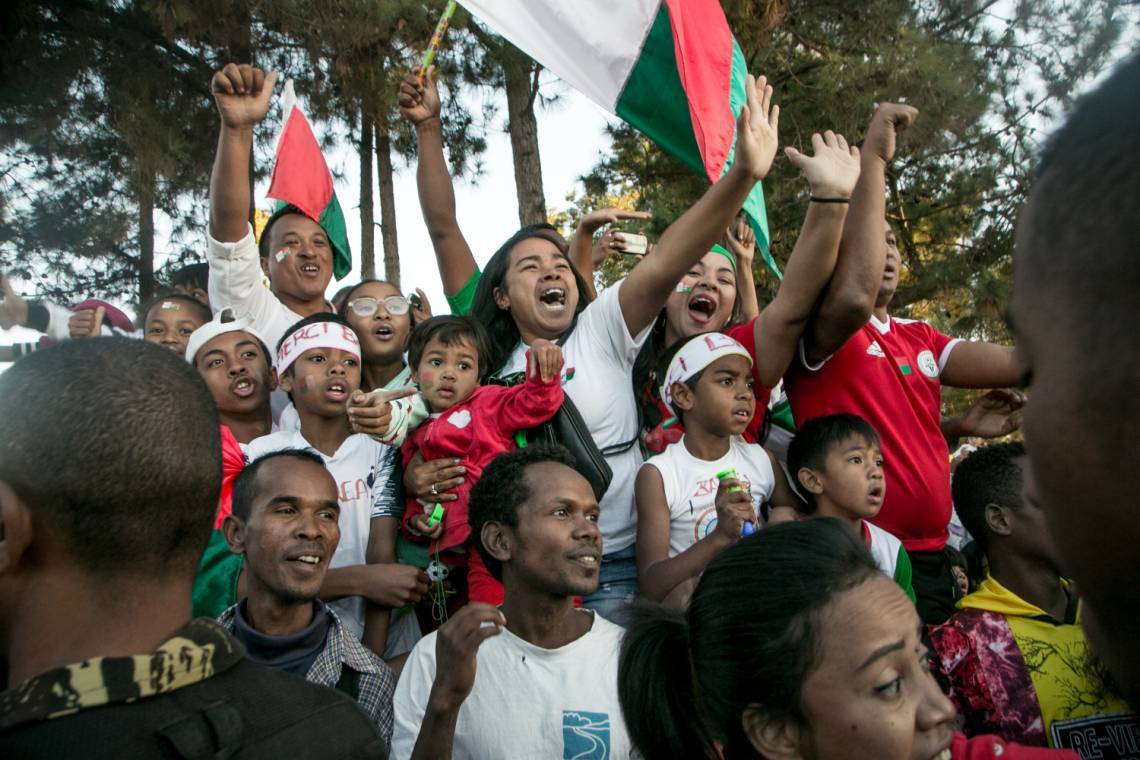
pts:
[302, 181]
[670, 68]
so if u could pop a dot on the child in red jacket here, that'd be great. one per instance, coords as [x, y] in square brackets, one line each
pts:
[471, 422]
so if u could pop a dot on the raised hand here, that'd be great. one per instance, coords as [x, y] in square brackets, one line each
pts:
[419, 100]
[546, 359]
[595, 220]
[888, 121]
[992, 414]
[834, 169]
[456, 646]
[86, 323]
[421, 313]
[757, 129]
[13, 308]
[242, 94]
[395, 585]
[741, 241]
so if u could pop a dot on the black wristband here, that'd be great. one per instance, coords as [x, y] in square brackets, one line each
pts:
[814, 199]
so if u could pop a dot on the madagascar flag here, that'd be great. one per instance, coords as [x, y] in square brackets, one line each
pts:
[671, 68]
[301, 180]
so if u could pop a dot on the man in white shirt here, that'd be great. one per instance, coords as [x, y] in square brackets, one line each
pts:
[536, 677]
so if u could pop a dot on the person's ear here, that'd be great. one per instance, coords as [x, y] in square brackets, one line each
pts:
[774, 739]
[496, 540]
[997, 519]
[502, 300]
[683, 396]
[810, 481]
[284, 380]
[15, 529]
[264, 266]
[273, 382]
[233, 528]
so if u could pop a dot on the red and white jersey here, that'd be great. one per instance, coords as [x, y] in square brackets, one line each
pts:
[889, 374]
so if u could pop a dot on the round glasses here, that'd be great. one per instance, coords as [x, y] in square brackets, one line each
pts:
[366, 306]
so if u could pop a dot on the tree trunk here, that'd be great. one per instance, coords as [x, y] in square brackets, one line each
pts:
[522, 88]
[146, 235]
[367, 230]
[387, 203]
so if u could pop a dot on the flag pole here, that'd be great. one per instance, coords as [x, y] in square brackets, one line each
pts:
[436, 38]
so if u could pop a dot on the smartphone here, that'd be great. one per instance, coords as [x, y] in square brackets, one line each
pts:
[635, 245]
[415, 301]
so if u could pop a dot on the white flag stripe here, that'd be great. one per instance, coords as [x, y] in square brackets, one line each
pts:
[591, 44]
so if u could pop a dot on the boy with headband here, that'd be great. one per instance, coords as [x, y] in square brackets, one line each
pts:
[318, 365]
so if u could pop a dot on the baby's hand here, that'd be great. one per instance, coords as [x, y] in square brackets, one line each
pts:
[419, 524]
[547, 357]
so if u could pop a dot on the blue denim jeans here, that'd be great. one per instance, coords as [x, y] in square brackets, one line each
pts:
[617, 586]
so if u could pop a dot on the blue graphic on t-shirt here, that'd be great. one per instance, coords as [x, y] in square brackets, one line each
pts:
[585, 735]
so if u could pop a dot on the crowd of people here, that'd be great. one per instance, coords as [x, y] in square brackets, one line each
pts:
[576, 521]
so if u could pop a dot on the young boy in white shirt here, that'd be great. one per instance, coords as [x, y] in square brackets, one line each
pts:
[318, 365]
[696, 497]
[837, 462]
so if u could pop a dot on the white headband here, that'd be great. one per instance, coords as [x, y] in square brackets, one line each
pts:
[316, 335]
[223, 322]
[698, 353]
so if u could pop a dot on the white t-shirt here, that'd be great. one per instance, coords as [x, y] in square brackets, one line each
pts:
[527, 702]
[237, 282]
[366, 488]
[598, 364]
[691, 485]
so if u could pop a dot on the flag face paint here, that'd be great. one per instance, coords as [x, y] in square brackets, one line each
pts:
[170, 306]
[280, 255]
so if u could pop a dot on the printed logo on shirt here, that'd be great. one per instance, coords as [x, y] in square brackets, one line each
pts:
[567, 375]
[875, 349]
[927, 365]
[904, 364]
[1098, 736]
[585, 735]
[460, 419]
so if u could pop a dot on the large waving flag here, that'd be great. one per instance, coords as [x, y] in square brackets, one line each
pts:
[671, 68]
[301, 180]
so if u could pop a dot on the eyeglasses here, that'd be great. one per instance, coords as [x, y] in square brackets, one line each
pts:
[366, 306]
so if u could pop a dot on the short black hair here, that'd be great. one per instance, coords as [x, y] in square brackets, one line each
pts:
[201, 309]
[496, 496]
[312, 319]
[990, 475]
[263, 241]
[192, 276]
[817, 438]
[450, 330]
[129, 433]
[245, 484]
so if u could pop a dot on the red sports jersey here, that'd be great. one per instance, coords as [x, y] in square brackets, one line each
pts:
[888, 374]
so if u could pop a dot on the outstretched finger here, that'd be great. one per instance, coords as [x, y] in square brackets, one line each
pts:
[829, 138]
[839, 139]
[818, 143]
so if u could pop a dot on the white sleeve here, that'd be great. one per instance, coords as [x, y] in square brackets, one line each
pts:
[604, 322]
[410, 701]
[57, 321]
[236, 283]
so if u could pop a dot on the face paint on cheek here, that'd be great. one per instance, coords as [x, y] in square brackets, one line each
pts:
[682, 289]
[307, 385]
[427, 380]
[280, 255]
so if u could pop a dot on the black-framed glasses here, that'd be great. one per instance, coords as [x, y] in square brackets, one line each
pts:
[366, 306]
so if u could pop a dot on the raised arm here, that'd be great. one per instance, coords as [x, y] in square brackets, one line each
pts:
[831, 174]
[973, 364]
[420, 105]
[689, 238]
[741, 240]
[242, 95]
[582, 243]
[850, 297]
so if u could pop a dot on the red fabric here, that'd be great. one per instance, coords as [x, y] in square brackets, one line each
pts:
[481, 585]
[992, 748]
[657, 439]
[233, 462]
[476, 431]
[867, 377]
[301, 177]
[702, 46]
